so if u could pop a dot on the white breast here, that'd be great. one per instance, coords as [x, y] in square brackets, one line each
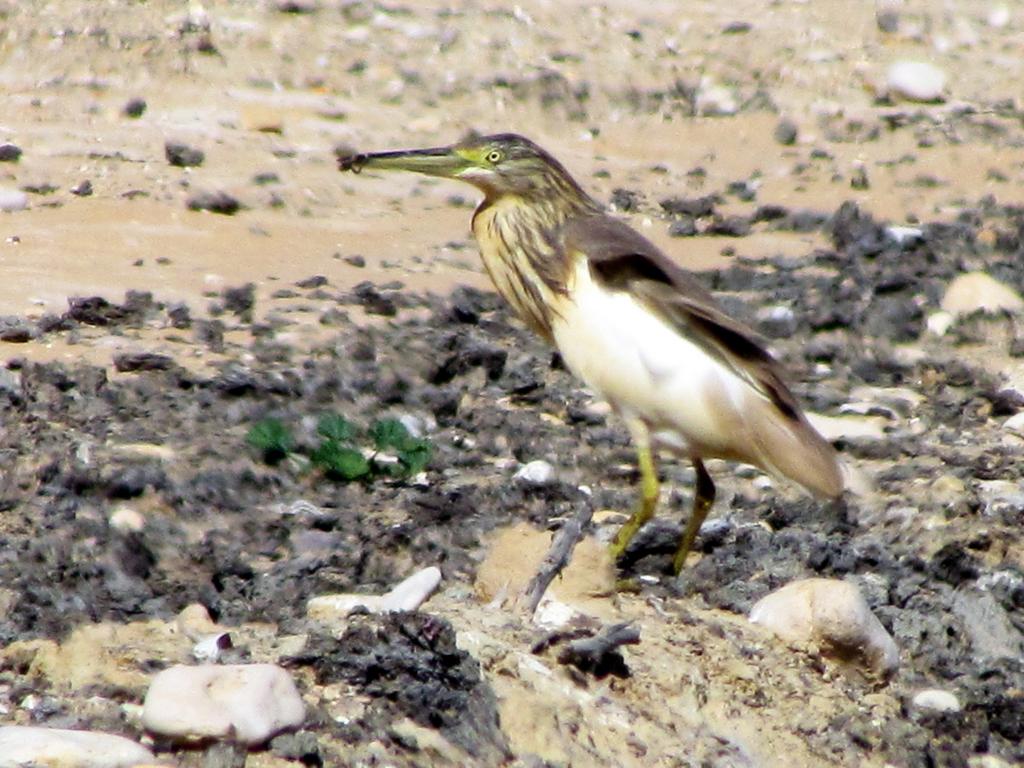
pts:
[644, 367]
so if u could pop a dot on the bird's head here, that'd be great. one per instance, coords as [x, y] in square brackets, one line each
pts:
[502, 164]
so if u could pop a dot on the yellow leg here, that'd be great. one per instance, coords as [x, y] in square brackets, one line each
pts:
[648, 493]
[703, 498]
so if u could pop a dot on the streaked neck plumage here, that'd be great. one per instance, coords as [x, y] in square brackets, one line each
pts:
[518, 229]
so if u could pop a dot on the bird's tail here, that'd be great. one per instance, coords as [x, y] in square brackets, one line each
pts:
[790, 447]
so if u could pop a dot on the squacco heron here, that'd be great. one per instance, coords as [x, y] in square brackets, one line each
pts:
[635, 327]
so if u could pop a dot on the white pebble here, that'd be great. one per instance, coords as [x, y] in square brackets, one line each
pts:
[1015, 423]
[904, 236]
[936, 700]
[916, 81]
[22, 746]
[976, 291]
[208, 648]
[406, 596]
[832, 613]
[999, 495]
[538, 472]
[715, 100]
[245, 702]
[939, 323]
[849, 427]
[413, 591]
[13, 200]
[552, 614]
[127, 520]
[998, 16]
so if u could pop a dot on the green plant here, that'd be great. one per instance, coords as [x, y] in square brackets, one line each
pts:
[334, 426]
[340, 462]
[413, 453]
[390, 451]
[272, 439]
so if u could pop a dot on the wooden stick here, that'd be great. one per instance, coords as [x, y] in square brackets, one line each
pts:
[558, 555]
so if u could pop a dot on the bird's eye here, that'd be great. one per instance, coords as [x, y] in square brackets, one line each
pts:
[494, 156]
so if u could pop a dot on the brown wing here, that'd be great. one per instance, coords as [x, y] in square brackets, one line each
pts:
[624, 260]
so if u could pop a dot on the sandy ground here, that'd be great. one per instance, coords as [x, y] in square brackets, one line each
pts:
[624, 94]
[606, 94]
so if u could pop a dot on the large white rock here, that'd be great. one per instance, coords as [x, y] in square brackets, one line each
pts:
[536, 472]
[407, 596]
[936, 700]
[834, 615]
[915, 81]
[245, 702]
[22, 746]
[979, 291]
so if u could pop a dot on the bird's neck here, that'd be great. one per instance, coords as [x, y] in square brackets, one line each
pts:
[543, 211]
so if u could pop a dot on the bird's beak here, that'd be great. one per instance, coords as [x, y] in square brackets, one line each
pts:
[440, 161]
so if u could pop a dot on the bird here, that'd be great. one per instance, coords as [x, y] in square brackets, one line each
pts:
[639, 330]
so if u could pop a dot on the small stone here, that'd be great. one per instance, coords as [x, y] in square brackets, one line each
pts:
[987, 761]
[239, 299]
[537, 472]
[10, 384]
[939, 323]
[786, 132]
[214, 202]
[978, 291]
[144, 452]
[887, 21]
[13, 200]
[134, 107]
[737, 28]
[314, 281]
[905, 236]
[684, 227]
[9, 153]
[16, 333]
[998, 16]
[248, 703]
[694, 207]
[1015, 423]
[182, 155]
[22, 746]
[82, 188]
[208, 649]
[936, 700]
[777, 321]
[130, 362]
[625, 200]
[407, 596]
[851, 427]
[833, 614]
[126, 520]
[296, 6]
[730, 226]
[411, 593]
[714, 100]
[916, 81]
[987, 625]
[1000, 495]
